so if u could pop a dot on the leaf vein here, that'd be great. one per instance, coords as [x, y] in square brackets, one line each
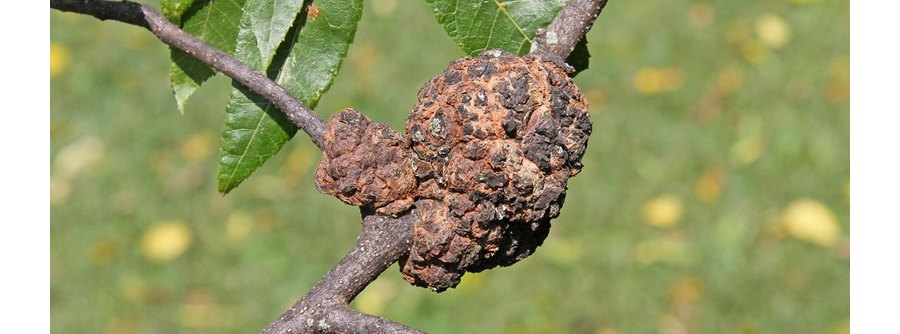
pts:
[247, 147]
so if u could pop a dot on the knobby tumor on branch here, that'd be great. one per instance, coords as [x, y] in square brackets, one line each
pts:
[488, 151]
[366, 164]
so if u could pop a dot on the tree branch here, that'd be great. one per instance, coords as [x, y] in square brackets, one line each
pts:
[148, 17]
[570, 25]
[383, 240]
[324, 308]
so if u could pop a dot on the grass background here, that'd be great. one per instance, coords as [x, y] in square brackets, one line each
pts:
[710, 119]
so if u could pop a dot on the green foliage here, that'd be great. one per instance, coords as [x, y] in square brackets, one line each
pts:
[173, 9]
[263, 35]
[215, 22]
[479, 25]
[254, 133]
[305, 66]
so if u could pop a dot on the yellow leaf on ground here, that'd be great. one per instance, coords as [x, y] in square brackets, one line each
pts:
[197, 147]
[773, 31]
[662, 212]
[651, 80]
[730, 80]
[709, 186]
[688, 289]
[60, 188]
[747, 150]
[59, 58]
[838, 90]
[847, 191]
[670, 324]
[754, 51]
[366, 57]
[841, 328]
[199, 312]
[238, 226]
[131, 288]
[811, 221]
[165, 241]
[701, 15]
[104, 251]
[749, 47]
[78, 157]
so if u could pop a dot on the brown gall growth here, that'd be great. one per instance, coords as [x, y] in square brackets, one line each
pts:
[366, 164]
[489, 149]
[495, 139]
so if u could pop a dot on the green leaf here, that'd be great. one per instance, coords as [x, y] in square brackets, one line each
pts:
[263, 27]
[172, 9]
[478, 25]
[213, 21]
[305, 65]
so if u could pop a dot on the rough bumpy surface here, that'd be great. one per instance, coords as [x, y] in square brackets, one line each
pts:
[366, 164]
[495, 138]
[489, 149]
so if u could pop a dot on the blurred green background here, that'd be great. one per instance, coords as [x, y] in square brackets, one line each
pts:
[714, 197]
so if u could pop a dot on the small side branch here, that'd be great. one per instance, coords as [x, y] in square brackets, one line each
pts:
[148, 17]
[570, 25]
[324, 308]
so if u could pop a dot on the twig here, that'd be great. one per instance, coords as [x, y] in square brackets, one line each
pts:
[570, 25]
[148, 17]
[324, 308]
